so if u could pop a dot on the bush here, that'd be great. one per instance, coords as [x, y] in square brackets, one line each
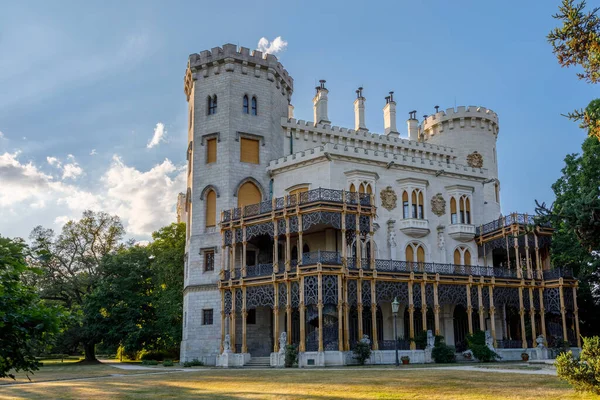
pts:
[167, 363]
[149, 362]
[362, 352]
[480, 350]
[158, 355]
[583, 374]
[442, 353]
[557, 346]
[123, 354]
[194, 363]
[420, 340]
[291, 356]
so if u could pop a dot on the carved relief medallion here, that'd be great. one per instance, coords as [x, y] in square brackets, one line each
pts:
[475, 160]
[388, 198]
[438, 205]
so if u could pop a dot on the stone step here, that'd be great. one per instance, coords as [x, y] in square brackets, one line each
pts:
[259, 362]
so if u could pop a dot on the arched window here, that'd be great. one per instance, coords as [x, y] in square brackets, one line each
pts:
[369, 189]
[361, 188]
[462, 256]
[294, 253]
[453, 215]
[405, 209]
[248, 194]
[465, 209]
[246, 109]
[416, 204]
[254, 106]
[415, 253]
[211, 208]
[352, 188]
[212, 105]
[305, 248]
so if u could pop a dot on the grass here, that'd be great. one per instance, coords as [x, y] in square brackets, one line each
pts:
[343, 383]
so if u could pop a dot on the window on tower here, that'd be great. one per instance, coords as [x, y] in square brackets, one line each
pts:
[212, 105]
[245, 106]
[254, 106]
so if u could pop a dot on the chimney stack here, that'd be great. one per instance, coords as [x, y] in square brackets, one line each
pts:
[359, 111]
[389, 116]
[320, 104]
[413, 126]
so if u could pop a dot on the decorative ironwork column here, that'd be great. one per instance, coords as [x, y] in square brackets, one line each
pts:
[359, 308]
[470, 306]
[522, 316]
[232, 317]
[543, 314]
[436, 306]
[320, 309]
[517, 258]
[538, 260]
[244, 244]
[563, 309]
[300, 244]
[424, 303]
[288, 310]
[576, 315]
[275, 246]
[288, 245]
[527, 258]
[346, 317]
[411, 312]
[481, 309]
[532, 315]
[275, 317]
[233, 244]
[375, 342]
[492, 311]
[339, 310]
[358, 254]
[244, 321]
[222, 320]
[302, 309]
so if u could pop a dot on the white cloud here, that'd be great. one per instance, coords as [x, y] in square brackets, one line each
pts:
[276, 46]
[93, 152]
[1, 135]
[55, 162]
[145, 200]
[159, 133]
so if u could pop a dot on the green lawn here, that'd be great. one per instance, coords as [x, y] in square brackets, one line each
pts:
[347, 383]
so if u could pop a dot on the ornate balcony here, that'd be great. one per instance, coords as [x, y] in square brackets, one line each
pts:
[414, 227]
[461, 232]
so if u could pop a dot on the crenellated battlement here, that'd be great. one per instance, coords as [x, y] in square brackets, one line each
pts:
[474, 116]
[221, 59]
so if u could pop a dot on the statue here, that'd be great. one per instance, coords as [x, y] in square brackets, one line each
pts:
[540, 341]
[430, 339]
[365, 339]
[226, 344]
[282, 342]
[392, 239]
[489, 342]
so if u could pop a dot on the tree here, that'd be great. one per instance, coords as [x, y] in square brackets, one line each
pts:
[583, 373]
[577, 42]
[26, 323]
[69, 263]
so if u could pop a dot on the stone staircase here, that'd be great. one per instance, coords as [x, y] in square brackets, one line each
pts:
[259, 362]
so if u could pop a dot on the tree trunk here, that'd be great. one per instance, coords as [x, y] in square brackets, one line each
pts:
[90, 351]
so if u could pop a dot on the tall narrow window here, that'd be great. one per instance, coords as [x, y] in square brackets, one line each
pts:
[207, 317]
[414, 204]
[468, 210]
[249, 151]
[246, 109]
[420, 206]
[209, 260]
[420, 254]
[405, 205]
[369, 189]
[453, 215]
[457, 257]
[415, 253]
[212, 105]
[211, 209]
[467, 257]
[361, 188]
[352, 188]
[248, 194]
[254, 106]
[462, 210]
[211, 151]
[462, 256]
[410, 254]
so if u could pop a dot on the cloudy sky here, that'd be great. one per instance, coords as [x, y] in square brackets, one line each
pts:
[93, 115]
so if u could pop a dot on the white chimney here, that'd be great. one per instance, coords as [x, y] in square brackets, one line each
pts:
[413, 126]
[389, 116]
[359, 111]
[290, 111]
[320, 104]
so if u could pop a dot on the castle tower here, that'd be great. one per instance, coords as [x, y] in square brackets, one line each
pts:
[472, 131]
[236, 99]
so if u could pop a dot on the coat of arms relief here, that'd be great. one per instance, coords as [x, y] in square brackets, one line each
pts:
[438, 205]
[475, 160]
[388, 198]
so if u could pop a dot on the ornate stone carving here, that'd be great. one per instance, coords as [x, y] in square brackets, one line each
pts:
[282, 342]
[475, 160]
[388, 198]
[227, 344]
[438, 205]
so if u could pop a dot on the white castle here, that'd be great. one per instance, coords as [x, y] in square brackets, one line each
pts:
[307, 232]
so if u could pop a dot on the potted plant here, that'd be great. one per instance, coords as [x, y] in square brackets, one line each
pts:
[524, 356]
[405, 359]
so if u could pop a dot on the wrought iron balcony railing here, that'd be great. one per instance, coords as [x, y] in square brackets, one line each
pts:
[311, 196]
[521, 219]
[334, 258]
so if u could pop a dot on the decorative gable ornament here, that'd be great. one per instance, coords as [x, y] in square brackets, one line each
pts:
[388, 198]
[475, 160]
[438, 205]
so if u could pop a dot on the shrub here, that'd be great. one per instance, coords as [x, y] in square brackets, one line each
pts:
[194, 363]
[123, 354]
[442, 353]
[291, 356]
[583, 374]
[362, 352]
[158, 355]
[557, 346]
[420, 340]
[480, 350]
[167, 363]
[149, 362]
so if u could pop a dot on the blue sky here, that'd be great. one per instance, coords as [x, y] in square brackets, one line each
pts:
[83, 87]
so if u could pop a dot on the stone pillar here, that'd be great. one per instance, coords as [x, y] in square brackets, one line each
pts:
[374, 340]
[563, 309]
[532, 316]
[244, 322]
[302, 347]
[320, 308]
[522, 316]
[436, 307]
[469, 307]
[411, 312]
[576, 316]
[359, 112]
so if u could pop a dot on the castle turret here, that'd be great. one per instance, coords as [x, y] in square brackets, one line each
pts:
[413, 126]
[320, 104]
[472, 131]
[389, 116]
[359, 111]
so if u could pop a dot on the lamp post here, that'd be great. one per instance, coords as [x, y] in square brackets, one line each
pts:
[395, 306]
